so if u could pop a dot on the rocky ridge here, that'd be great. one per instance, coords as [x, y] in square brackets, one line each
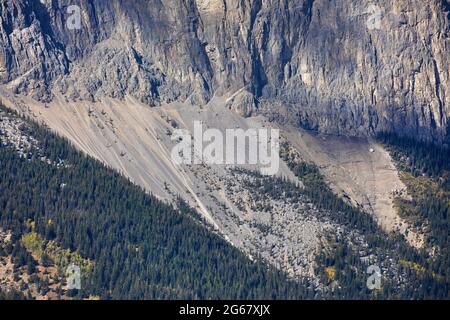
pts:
[347, 67]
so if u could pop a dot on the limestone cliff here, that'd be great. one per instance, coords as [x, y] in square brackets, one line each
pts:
[351, 67]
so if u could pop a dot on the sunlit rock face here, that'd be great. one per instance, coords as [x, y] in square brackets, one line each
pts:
[349, 67]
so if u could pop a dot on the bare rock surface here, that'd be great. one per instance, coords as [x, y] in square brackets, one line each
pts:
[343, 67]
[137, 141]
[362, 172]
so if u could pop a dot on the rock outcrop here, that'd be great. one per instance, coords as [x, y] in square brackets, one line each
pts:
[352, 67]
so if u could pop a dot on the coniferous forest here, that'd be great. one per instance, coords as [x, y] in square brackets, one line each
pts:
[141, 248]
[138, 247]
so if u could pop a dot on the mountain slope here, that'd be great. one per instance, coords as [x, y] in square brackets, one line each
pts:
[322, 64]
[136, 247]
[141, 248]
[133, 72]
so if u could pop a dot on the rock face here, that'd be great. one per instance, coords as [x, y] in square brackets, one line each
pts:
[352, 67]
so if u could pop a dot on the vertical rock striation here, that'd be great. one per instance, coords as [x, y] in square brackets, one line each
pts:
[352, 67]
